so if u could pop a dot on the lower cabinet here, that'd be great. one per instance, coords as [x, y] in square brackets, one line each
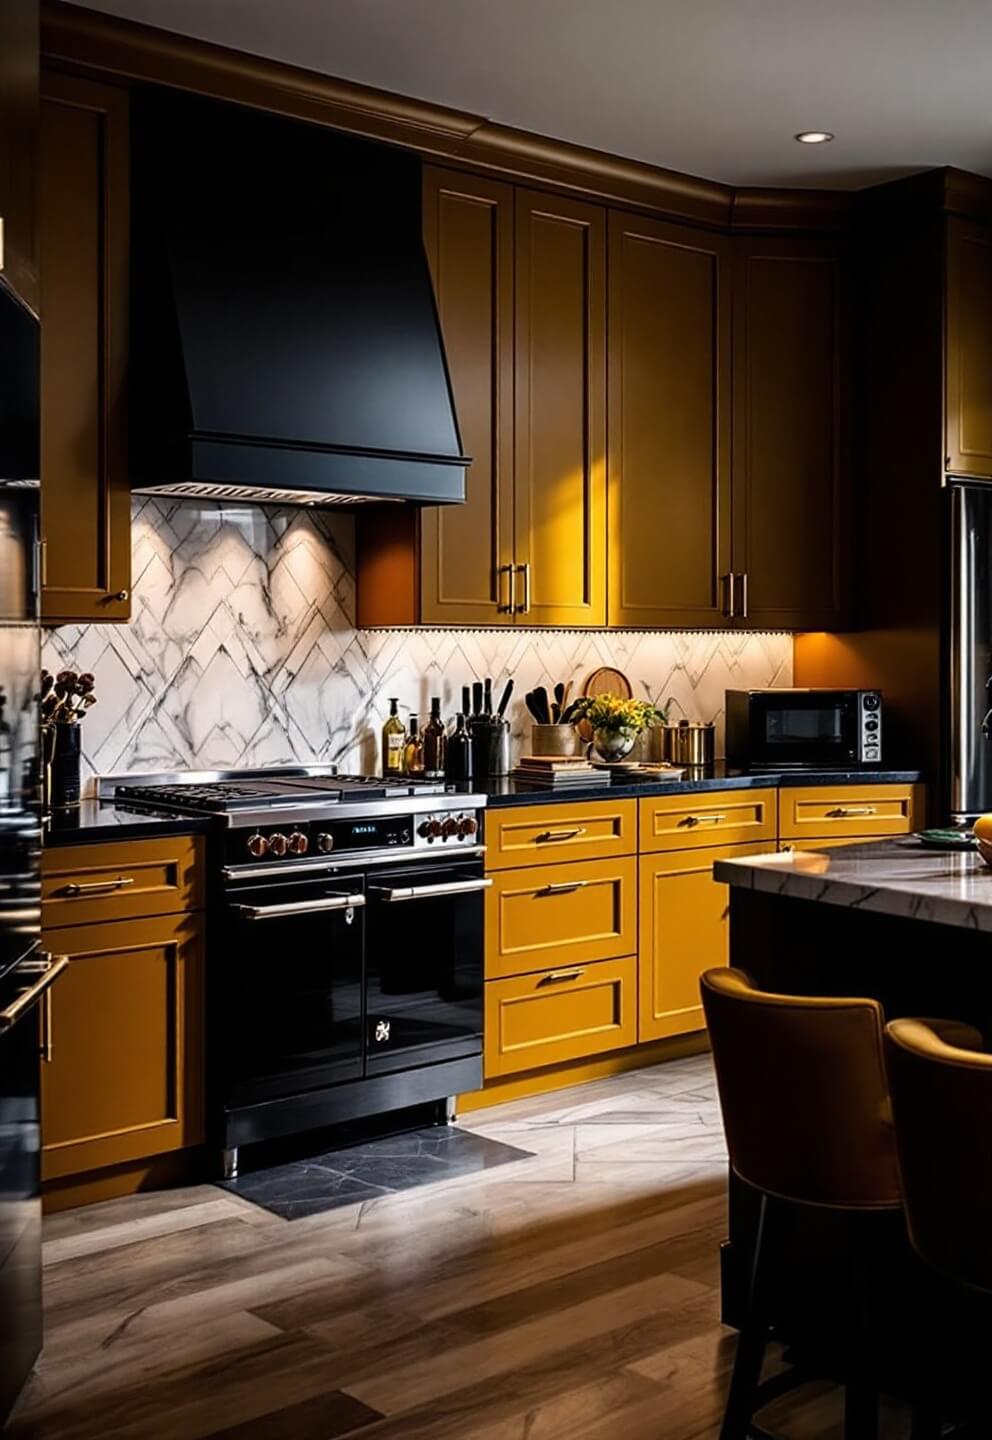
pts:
[558, 1015]
[682, 932]
[125, 1080]
[559, 915]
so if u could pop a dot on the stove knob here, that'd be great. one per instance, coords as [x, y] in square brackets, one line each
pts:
[325, 843]
[429, 829]
[449, 828]
[257, 845]
[298, 843]
[467, 827]
[278, 844]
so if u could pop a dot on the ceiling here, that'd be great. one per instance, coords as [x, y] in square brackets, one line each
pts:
[716, 88]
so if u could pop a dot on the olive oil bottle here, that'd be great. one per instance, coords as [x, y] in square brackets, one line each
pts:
[393, 741]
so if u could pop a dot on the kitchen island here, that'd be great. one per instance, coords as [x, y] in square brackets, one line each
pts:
[907, 925]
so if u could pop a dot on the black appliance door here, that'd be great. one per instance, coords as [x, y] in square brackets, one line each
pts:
[288, 1010]
[423, 965]
[804, 729]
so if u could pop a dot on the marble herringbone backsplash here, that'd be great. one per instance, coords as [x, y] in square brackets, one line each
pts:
[243, 651]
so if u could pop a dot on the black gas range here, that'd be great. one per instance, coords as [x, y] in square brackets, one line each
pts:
[345, 945]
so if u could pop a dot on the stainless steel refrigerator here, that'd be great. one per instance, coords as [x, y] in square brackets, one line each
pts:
[26, 974]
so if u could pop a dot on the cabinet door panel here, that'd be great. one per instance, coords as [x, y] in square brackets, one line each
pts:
[468, 234]
[683, 932]
[669, 424]
[790, 433]
[560, 411]
[18, 147]
[125, 1081]
[969, 349]
[559, 1015]
[560, 915]
[83, 222]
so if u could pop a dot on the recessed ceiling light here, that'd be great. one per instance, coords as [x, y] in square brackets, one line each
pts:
[814, 137]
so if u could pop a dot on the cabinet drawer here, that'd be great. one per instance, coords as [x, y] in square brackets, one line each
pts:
[560, 915]
[856, 810]
[124, 880]
[545, 834]
[717, 817]
[561, 1014]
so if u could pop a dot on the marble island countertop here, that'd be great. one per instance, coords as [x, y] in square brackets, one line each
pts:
[891, 877]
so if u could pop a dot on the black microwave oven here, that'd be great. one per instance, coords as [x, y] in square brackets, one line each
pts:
[804, 729]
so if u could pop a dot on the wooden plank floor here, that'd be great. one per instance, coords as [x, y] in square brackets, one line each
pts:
[571, 1296]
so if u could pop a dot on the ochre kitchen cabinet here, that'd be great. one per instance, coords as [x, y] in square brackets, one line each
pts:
[19, 26]
[559, 506]
[126, 1077]
[968, 370]
[567, 1013]
[124, 1090]
[683, 932]
[856, 812]
[550, 834]
[669, 378]
[83, 228]
[791, 452]
[560, 915]
[520, 279]
[723, 817]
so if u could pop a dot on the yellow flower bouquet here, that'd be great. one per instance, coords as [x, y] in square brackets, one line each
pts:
[616, 722]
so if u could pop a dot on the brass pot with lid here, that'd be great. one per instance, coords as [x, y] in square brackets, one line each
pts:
[687, 743]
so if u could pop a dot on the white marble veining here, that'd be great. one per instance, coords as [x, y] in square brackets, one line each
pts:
[890, 877]
[243, 650]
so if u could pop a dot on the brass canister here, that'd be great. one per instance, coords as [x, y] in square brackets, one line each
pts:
[686, 743]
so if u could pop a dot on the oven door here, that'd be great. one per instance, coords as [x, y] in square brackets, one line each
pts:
[794, 729]
[288, 1010]
[424, 965]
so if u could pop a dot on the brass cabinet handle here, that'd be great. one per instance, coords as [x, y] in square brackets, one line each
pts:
[702, 820]
[558, 977]
[428, 892]
[743, 579]
[47, 1045]
[51, 968]
[122, 595]
[511, 589]
[845, 812]
[552, 835]
[300, 907]
[99, 887]
[563, 887]
[524, 609]
[727, 581]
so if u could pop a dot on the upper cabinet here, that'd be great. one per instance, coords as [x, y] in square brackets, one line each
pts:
[791, 459]
[669, 408]
[520, 279]
[83, 226]
[559, 488]
[18, 147]
[968, 411]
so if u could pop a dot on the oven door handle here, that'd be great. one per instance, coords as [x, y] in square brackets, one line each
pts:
[300, 907]
[391, 895]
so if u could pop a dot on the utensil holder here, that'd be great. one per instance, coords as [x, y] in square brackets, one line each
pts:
[62, 754]
[563, 740]
[490, 748]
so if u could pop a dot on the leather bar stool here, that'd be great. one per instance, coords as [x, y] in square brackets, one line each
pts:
[942, 1106]
[805, 1104]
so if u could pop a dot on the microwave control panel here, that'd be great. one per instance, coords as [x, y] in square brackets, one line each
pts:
[870, 707]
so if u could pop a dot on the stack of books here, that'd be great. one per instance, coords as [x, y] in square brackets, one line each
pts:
[552, 771]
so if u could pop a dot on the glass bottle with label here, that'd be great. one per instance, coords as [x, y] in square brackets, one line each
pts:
[413, 756]
[458, 767]
[393, 741]
[435, 742]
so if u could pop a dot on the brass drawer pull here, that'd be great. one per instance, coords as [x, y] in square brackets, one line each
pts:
[558, 977]
[50, 971]
[100, 887]
[847, 812]
[563, 887]
[548, 835]
[703, 820]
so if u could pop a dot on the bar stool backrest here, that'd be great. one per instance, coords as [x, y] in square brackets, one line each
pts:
[803, 1093]
[942, 1105]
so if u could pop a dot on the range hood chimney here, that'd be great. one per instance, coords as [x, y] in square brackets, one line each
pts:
[285, 344]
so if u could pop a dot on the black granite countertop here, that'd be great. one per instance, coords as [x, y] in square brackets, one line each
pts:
[890, 877]
[505, 790]
[105, 820]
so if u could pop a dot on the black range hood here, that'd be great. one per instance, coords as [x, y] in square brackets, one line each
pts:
[285, 344]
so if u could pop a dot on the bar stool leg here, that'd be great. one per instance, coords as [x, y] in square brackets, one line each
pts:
[753, 1339]
[861, 1391]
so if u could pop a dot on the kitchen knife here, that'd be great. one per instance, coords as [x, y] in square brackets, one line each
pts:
[504, 699]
